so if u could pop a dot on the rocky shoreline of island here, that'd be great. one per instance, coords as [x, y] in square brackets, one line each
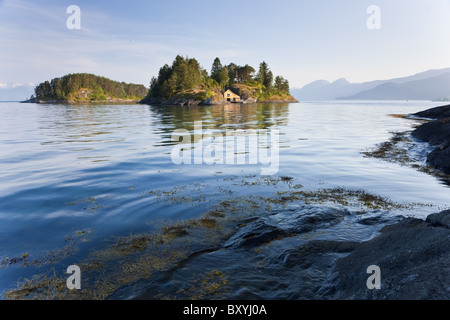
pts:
[83, 102]
[211, 101]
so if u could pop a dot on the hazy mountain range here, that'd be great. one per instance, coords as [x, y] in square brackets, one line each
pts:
[428, 85]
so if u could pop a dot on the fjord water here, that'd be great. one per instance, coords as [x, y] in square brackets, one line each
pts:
[90, 169]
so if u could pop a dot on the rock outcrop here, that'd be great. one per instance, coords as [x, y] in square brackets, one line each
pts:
[435, 113]
[414, 259]
[436, 133]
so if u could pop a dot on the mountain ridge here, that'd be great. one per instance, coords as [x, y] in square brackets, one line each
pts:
[342, 89]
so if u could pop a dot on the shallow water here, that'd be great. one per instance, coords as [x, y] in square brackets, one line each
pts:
[94, 172]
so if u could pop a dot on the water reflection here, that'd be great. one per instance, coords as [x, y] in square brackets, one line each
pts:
[217, 117]
[84, 123]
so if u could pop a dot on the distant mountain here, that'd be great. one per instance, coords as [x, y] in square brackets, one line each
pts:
[425, 89]
[324, 90]
[384, 89]
[14, 92]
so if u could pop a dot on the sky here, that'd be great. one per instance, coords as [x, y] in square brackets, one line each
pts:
[302, 41]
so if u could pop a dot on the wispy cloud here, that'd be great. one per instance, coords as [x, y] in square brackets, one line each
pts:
[13, 85]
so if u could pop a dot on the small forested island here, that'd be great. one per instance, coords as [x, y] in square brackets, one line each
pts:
[87, 88]
[185, 82]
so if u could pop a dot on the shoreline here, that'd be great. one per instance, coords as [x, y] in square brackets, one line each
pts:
[425, 148]
[118, 102]
[208, 102]
[168, 103]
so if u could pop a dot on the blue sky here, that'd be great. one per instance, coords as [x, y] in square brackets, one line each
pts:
[302, 40]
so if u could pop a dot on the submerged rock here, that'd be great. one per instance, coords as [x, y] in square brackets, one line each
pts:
[285, 224]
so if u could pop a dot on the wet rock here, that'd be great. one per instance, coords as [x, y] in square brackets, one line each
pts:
[307, 218]
[286, 223]
[436, 133]
[306, 254]
[255, 234]
[369, 221]
[376, 220]
[441, 219]
[439, 158]
[414, 259]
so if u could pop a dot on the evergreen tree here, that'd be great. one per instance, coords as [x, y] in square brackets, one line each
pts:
[216, 70]
[233, 76]
[65, 88]
[184, 74]
[268, 80]
[265, 76]
[245, 73]
[223, 78]
[281, 85]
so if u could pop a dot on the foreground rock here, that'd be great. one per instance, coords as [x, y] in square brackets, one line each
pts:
[288, 256]
[414, 259]
[436, 133]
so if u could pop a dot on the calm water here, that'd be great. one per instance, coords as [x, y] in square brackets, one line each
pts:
[66, 169]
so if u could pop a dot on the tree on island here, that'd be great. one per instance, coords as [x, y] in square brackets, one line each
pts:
[220, 74]
[216, 69]
[184, 74]
[265, 76]
[185, 77]
[281, 84]
[67, 87]
[245, 74]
